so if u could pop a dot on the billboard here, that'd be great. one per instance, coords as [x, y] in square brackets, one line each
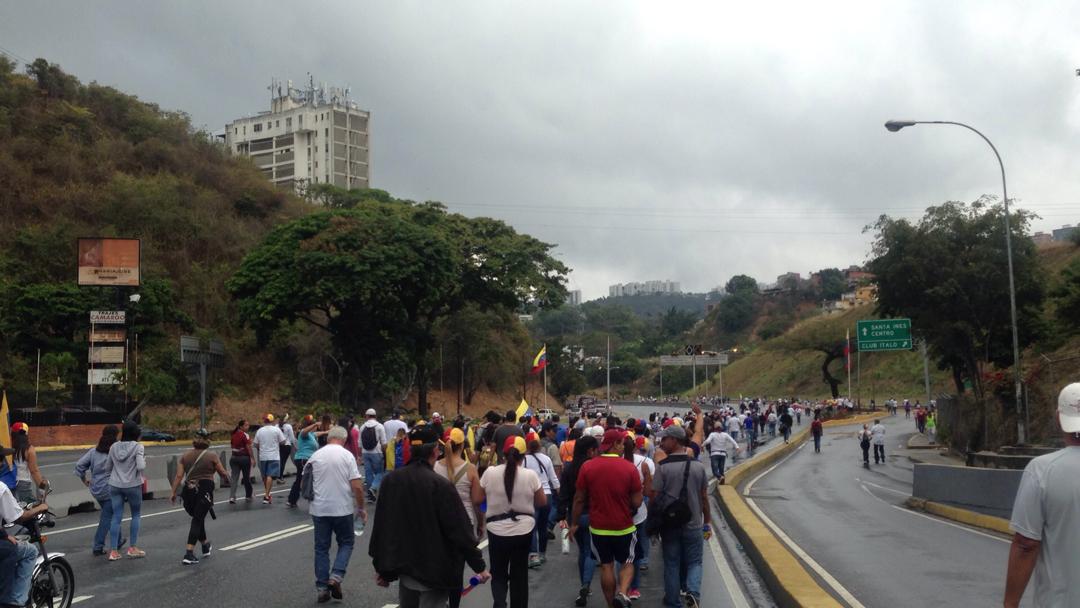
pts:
[103, 334]
[107, 354]
[107, 261]
[104, 376]
[108, 317]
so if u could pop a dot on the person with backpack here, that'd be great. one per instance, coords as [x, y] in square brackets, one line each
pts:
[816, 431]
[540, 463]
[93, 462]
[679, 512]
[195, 480]
[372, 450]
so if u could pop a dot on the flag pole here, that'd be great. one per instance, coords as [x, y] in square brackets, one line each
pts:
[847, 362]
[545, 377]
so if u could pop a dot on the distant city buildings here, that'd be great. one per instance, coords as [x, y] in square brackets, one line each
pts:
[1063, 233]
[648, 287]
[309, 136]
[573, 298]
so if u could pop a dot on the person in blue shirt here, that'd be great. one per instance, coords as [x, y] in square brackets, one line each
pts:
[560, 431]
[307, 441]
[94, 462]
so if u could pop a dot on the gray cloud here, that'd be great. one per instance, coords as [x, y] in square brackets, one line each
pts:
[646, 140]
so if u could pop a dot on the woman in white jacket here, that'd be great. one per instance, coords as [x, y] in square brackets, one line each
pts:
[126, 464]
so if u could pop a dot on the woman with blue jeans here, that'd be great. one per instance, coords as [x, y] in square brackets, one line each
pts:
[539, 463]
[585, 448]
[126, 464]
[94, 461]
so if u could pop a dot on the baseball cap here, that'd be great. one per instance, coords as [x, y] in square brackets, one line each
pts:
[611, 437]
[268, 418]
[639, 443]
[531, 436]
[596, 431]
[514, 441]
[1068, 408]
[675, 432]
[309, 419]
[423, 434]
[456, 435]
[436, 416]
[202, 433]
[20, 427]
[370, 412]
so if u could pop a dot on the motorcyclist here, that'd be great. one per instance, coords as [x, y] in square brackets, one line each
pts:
[17, 558]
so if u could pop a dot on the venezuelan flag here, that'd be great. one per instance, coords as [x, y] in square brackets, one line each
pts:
[523, 411]
[540, 362]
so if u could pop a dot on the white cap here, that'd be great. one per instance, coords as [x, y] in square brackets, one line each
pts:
[370, 412]
[1069, 408]
[436, 415]
[596, 431]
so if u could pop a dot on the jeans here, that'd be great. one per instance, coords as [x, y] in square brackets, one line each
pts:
[865, 451]
[325, 527]
[284, 450]
[817, 443]
[294, 491]
[104, 522]
[787, 432]
[118, 496]
[682, 549]
[641, 555]
[879, 449]
[585, 563]
[373, 470]
[17, 592]
[509, 556]
[25, 492]
[539, 541]
[718, 464]
[772, 429]
[240, 466]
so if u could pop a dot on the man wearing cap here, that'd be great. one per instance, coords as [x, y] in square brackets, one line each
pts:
[17, 557]
[1046, 519]
[611, 486]
[682, 546]
[268, 442]
[422, 536]
[338, 497]
[372, 450]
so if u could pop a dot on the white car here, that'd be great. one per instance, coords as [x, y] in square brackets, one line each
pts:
[545, 413]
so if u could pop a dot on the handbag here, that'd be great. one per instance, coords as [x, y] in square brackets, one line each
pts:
[189, 491]
[307, 484]
[675, 514]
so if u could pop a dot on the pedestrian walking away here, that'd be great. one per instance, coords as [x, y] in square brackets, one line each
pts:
[195, 481]
[307, 441]
[240, 460]
[611, 486]
[268, 442]
[816, 430]
[373, 452]
[513, 494]
[584, 450]
[864, 438]
[719, 444]
[126, 463]
[1045, 519]
[878, 433]
[541, 464]
[94, 462]
[287, 447]
[337, 495]
[421, 535]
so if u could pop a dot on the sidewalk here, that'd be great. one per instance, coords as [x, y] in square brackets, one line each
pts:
[917, 447]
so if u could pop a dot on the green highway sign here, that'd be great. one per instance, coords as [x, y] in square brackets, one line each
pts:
[884, 334]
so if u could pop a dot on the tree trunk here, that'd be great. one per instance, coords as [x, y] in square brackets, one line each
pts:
[421, 382]
[958, 378]
[834, 384]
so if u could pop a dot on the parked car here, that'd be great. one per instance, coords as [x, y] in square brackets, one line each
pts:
[153, 435]
[545, 413]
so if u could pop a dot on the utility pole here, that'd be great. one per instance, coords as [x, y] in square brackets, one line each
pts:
[609, 370]
[925, 369]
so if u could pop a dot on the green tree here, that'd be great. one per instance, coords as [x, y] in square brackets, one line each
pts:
[741, 283]
[947, 273]
[833, 284]
[1067, 297]
[737, 311]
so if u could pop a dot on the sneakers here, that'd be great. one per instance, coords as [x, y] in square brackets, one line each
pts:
[206, 548]
[189, 559]
[534, 561]
[266, 500]
[335, 588]
[114, 556]
[689, 599]
[135, 553]
[582, 597]
[291, 505]
[621, 601]
[634, 595]
[232, 501]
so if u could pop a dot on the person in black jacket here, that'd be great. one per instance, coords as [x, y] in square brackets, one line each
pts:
[586, 447]
[421, 536]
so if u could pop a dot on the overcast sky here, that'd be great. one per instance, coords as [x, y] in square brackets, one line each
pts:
[652, 140]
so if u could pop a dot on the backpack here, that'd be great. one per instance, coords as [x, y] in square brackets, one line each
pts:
[676, 513]
[487, 457]
[368, 439]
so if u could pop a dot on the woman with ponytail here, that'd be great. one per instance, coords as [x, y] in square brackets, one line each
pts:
[240, 461]
[513, 494]
[455, 466]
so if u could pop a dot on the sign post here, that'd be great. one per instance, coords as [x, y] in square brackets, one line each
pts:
[192, 351]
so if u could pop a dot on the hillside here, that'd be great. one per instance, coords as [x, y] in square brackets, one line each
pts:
[656, 304]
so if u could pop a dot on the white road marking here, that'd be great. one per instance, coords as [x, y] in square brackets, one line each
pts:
[276, 538]
[167, 512]
[881, 487]
[732, 585]
[390, 606]
[265, 536]
[803, 555]
[81, 598]
[948, 523]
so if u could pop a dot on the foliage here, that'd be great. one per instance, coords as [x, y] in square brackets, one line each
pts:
[737, 311]
[741, 283]
[947, 273]
[1067, 297]
[656, 304]
[833, 284]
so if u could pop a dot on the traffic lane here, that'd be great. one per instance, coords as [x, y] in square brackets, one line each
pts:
[852, 522]
[66, 459]
[276, 564]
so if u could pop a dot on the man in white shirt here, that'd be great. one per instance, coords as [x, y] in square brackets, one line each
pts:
[16, 557]
[1046, 521]
[372, 450]
[268, 442]
[877, 434]
[719, 444]
[395, 424]
[338, 494]
[734, 423]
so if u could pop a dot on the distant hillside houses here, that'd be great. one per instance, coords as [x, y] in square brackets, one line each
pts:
[648, 287]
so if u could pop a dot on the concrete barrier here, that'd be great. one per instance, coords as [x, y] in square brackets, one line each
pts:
[987, 491]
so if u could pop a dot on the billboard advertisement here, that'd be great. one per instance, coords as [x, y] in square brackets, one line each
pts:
[108, 261]
[107, 334]
[100, 376]
[107, 354]
[108, 317]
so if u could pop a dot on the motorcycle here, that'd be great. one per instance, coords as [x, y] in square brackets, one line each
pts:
[53, 581]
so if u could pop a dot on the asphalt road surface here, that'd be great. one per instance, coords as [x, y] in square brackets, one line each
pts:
[851, 521]
[263, 556]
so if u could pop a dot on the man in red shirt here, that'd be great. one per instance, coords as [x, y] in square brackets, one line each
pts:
[611, 486]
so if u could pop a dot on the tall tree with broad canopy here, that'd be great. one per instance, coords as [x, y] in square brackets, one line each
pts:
[378, 276]
[948, 273]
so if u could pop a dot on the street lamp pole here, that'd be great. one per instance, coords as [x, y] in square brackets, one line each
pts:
[896, 125]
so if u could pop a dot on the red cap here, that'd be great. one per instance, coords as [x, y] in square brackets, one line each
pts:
[667, 423]
[531, 436]
[640, 442]
[20, 427]
[611, 437]
[514, 441]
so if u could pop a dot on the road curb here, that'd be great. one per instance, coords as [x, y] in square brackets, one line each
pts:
[785, 576]
[960, 515]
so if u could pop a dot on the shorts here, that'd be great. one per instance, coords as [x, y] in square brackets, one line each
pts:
[608, 549]
[270, 468]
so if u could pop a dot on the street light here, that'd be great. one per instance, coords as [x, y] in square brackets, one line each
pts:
[896, 125]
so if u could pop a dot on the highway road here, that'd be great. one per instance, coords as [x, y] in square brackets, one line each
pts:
[866, 546]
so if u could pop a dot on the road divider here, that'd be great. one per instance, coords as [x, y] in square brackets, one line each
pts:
[269, 538]
[963, 516]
